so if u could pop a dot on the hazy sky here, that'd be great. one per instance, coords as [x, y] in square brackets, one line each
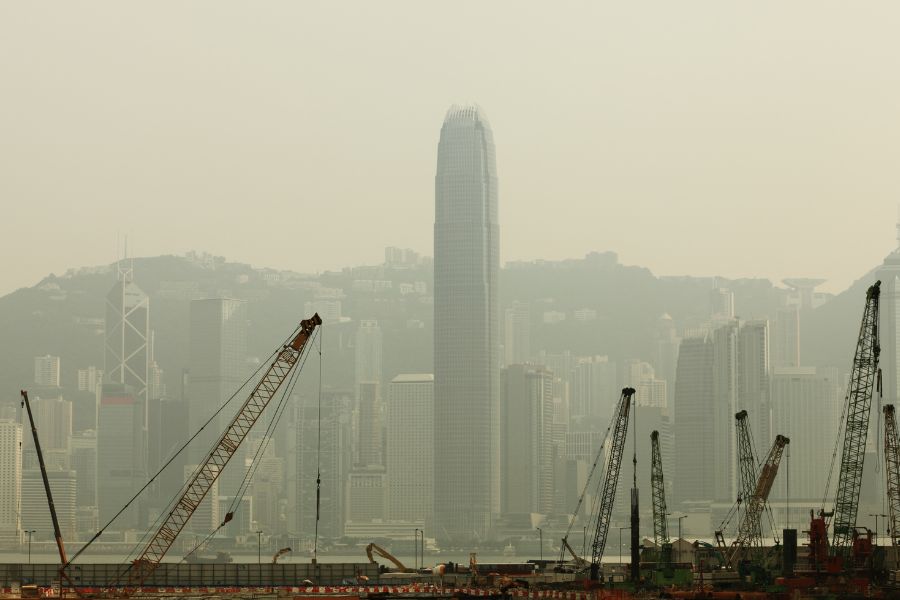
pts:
[731, 138]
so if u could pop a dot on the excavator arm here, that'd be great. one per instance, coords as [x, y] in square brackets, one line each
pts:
[579, 562]
[374, 548]
[279, 554]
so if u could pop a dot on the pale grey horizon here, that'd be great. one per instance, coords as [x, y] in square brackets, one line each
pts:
[699, 137]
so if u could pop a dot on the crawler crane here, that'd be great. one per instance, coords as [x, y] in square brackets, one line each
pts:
[660, 525]
[892, 472]
[222, 452]
[750, 523]
[610, 480]
[863, 376]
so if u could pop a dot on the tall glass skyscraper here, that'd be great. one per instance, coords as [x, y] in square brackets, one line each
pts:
[466, 329]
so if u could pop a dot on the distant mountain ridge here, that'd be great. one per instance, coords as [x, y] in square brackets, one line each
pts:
[63, 315]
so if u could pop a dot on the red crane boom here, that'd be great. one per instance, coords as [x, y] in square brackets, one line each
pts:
[223, 450]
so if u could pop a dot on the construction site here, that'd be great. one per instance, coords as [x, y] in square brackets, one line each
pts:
[832, 557]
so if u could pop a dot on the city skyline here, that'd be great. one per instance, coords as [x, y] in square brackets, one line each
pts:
[439, 334]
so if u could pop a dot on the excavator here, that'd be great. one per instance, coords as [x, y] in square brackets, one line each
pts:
[279, 554]
[580, 563]
[374, 548]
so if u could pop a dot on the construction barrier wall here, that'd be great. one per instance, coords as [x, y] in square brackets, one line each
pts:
[193, 574]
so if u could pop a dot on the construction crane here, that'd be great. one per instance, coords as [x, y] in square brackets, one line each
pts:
[892, 471]
[224, 449]
[57, 534]
[374, 548]
[747, 464]
[750, 523]
[657, 485]
[610, 480]
[856, 426]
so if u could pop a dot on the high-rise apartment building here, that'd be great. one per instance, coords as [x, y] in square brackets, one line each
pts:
[410, 456]
[466, 328]
[10, 480]
[46, 370]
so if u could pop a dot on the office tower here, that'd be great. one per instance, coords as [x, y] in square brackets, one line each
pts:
[218, 359]
[323, 449]
[806, 407]
[36, 511]
[527, 437]
[366, 495]
[10, 480]
[516, 334]
[786, 338]
[267, 491]
[665, 357]
[410, 456]
[53, 418]
[89, 379]
[721, 303]
[595, 388]
[84, 463]
[218, 367]
[753, 379]
[121, 454]
[368, 343]
[725, 405]
[651, 392]
[466, 328]
[46, 370]
[695, 400]
[370, 447]
[127, 334]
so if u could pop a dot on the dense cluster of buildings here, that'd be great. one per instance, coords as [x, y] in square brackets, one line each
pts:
[497, 439]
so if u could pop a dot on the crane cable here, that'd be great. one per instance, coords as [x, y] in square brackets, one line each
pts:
[177, 454]
[318, 460]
